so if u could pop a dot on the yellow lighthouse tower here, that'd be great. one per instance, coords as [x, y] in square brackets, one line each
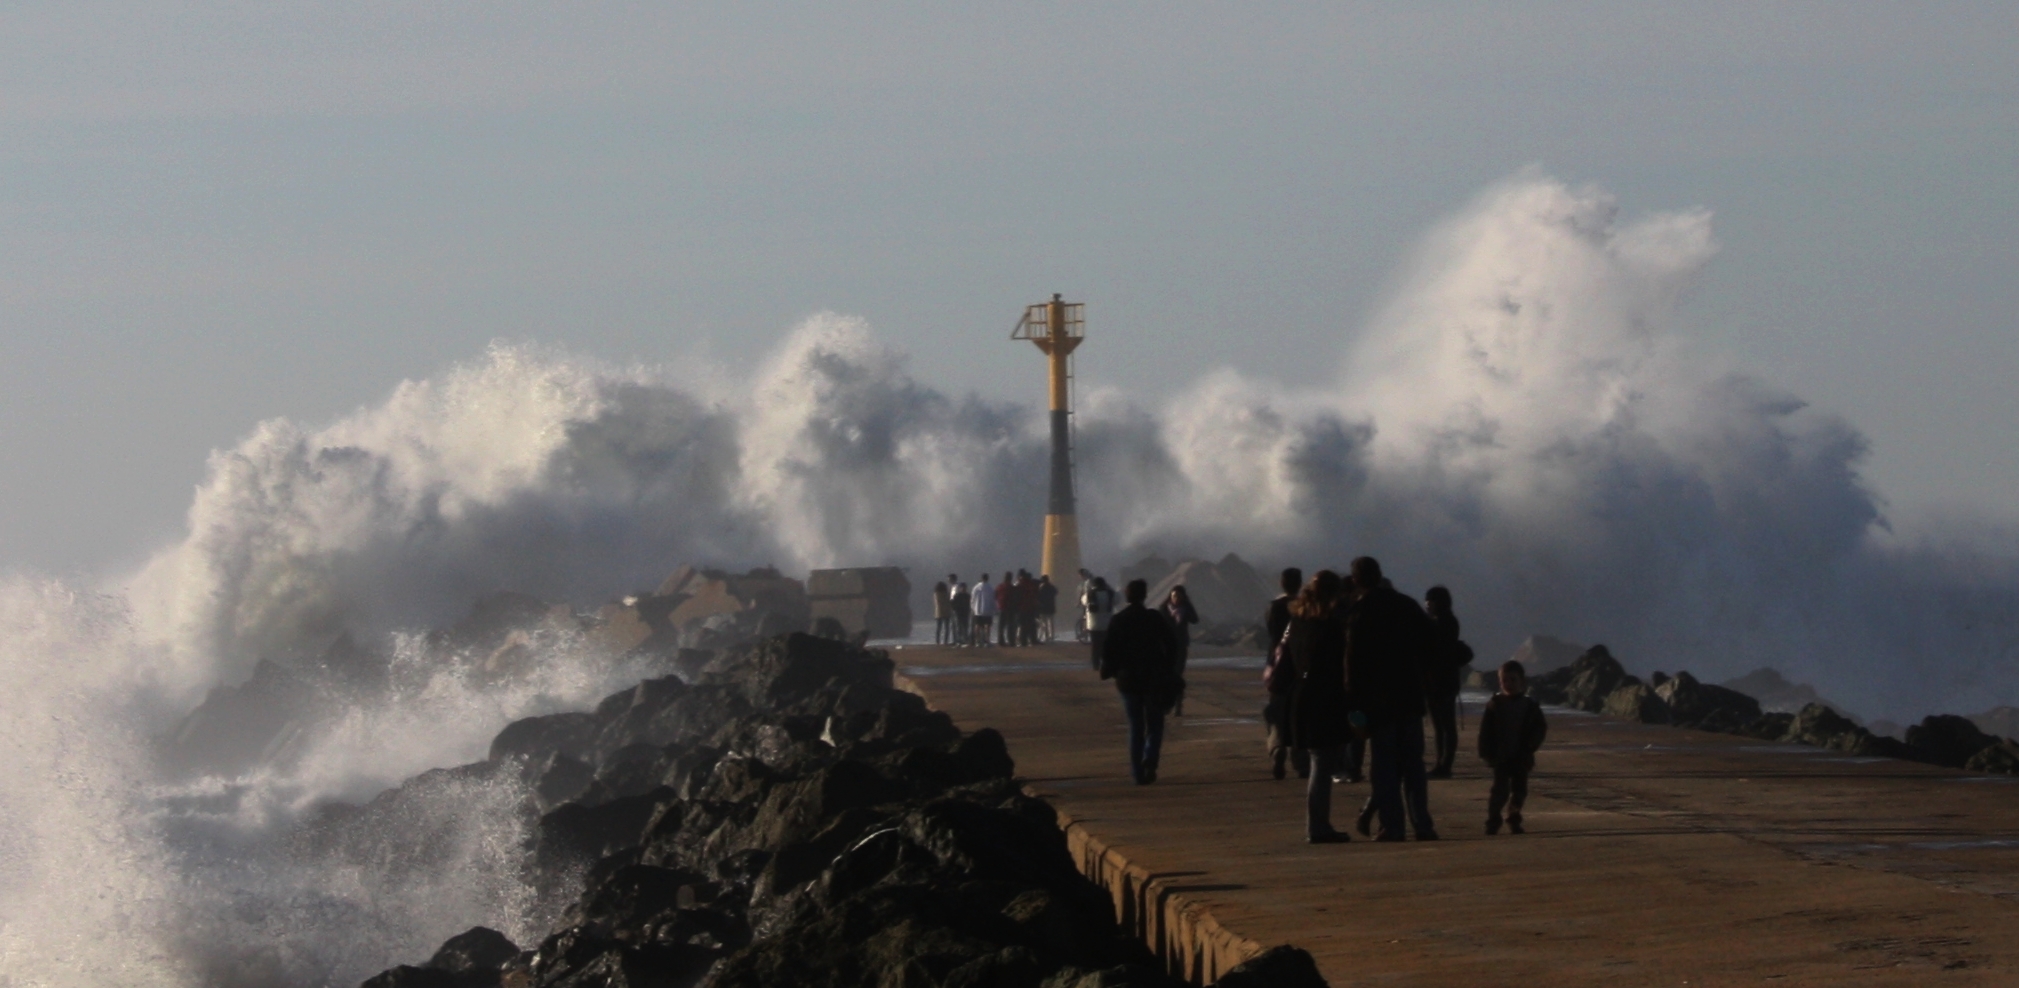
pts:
[1057, 327]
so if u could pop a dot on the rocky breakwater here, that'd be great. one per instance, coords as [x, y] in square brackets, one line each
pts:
[1597, 683]
[781, 815]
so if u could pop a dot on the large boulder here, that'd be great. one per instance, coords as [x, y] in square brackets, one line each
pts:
[1695, 703]
[781, 670]
[475, 957]
[1634, 701]
[1277, 967]
[1593, 677]
[2000, 758]
[1948, 739]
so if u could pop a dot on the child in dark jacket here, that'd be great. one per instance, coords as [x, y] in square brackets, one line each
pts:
[1509, 734]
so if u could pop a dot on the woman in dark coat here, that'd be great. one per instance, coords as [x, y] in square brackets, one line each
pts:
[1442, 677]
[1319, 723]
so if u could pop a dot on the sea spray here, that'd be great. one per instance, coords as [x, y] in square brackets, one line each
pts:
[1521, 423]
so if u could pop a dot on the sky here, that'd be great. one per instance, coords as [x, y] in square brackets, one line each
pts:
[215, 214]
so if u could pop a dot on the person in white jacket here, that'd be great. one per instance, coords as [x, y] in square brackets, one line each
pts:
[1099, 602]
[984, 609]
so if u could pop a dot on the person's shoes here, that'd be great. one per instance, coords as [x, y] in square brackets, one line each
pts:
[1365, 824]
[1149, 775]
[1328, 837]
[1281, 757]
[1492, 827]
[1514, 825]
[1427, 835]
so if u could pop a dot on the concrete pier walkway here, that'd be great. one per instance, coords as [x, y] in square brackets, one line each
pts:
[1656, 855]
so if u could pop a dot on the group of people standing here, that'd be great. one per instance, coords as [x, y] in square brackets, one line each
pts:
[1355, 668]
[1020, 610]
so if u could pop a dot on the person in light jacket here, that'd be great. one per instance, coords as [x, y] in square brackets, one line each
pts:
[1099, 603]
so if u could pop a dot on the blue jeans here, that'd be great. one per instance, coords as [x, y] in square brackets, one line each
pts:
[1397, 773]
[1146, 732]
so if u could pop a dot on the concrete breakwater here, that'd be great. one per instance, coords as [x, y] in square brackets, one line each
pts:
[1656, 855]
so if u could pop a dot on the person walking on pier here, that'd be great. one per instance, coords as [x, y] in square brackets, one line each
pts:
[1442, 677]
[1387, 638]
[961, 603]
[1138, 653]
[1178, 607]
[1510, 732]
[1320, 719]
[942, 611]
[1098, 602]
[984, 603]
[1281, 679]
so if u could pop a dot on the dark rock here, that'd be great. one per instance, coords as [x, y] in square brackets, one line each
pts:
[405, 976]
[1948, 739]
[1698, 704]
[1593, 677]
[535, 737]
[1770, 726]
[688, 662]
[1634, 701]
[778, 671]
[577, 832]
[559, 778]
[1278, 967]
[475, 956]
[2001, 758]
[1823, 727]
[1818, 725]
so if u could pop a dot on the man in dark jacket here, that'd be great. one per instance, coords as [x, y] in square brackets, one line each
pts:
[1387, 638]
[1141, 657]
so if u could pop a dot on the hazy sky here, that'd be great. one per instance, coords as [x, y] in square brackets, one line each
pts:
[212, 214]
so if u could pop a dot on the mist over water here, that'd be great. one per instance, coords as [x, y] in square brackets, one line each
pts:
[1519, 423]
